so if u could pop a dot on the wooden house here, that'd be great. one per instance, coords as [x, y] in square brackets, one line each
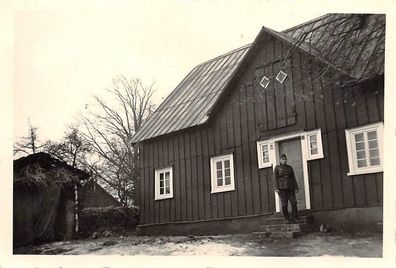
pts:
[314, 92]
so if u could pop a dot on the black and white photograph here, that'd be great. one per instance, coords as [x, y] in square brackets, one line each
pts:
[183, 132]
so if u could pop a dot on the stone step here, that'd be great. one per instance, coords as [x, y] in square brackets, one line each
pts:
[281, 220]
[296, 227]
[276, 235]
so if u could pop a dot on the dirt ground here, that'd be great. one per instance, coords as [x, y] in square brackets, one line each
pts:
[316, 244]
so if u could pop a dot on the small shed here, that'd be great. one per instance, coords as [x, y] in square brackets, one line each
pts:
[44, 199]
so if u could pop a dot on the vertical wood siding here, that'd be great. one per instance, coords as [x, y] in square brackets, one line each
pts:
[249, 113]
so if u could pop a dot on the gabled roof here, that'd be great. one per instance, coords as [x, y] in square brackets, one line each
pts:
[189, 103]
[353, 44]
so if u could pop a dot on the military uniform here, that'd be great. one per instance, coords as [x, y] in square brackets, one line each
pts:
[285, 182]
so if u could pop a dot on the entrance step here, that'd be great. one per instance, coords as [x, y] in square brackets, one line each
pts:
[276, 235]
[295, 227]
[281, 220]
[278, 228]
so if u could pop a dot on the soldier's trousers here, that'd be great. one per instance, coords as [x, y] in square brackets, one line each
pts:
[287, 196]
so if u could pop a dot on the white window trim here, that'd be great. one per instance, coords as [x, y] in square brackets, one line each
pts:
[281, 73]
[224, 188]
[267, 82]
[353, 169]
[261, 163]
[318, 134]
[159, 196]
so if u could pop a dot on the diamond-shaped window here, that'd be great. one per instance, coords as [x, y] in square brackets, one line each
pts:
[281, 76]
[264, 82]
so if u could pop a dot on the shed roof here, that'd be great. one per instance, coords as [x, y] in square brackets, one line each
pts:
[46, 162]
[352, 43]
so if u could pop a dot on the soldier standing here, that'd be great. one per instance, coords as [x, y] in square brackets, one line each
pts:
[285, 185]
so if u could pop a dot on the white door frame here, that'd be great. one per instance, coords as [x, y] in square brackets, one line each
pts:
[274, 154]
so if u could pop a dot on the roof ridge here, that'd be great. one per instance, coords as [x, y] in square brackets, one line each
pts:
[307, 22]
[224, 55]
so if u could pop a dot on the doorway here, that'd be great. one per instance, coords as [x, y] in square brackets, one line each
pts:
[295, 147]
[292, 149]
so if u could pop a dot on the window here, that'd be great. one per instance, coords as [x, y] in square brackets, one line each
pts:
[264, 156]
[364, 145]
[281, 76]
[163, 183]
[314, 145]
[264, 82]
[222, 170]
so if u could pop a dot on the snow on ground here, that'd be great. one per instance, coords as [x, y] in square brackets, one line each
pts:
[317, 244]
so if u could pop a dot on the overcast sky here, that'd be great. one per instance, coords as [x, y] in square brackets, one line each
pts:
[62, 58]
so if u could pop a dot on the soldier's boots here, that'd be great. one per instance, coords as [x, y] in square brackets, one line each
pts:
[295, 218]
[286, 213]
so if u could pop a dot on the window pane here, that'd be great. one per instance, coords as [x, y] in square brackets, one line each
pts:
[314, 151]
[359, 137]
[220, 182]
[161, 183]
[161, 190]
[373, 144]
[374, 153]
[362, 163]
[359, 145]
[167, 174]
[265, 148]
[219, 174]
[375, 162]
[161, 176]
[312, 138]
[265, 157]
[313, 144]
[168, 190]
[372, 135]
[226, 163]
[227, 180]
[227, 172]
[265, 153]
[218, 165]
[361, 154]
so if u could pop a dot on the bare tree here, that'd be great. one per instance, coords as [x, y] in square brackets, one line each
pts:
[109, 130]
[28, 144]
[72, 149]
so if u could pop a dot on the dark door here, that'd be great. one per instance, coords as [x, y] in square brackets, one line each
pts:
[292, 149]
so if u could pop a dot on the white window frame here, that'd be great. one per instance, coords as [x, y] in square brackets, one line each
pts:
[265, 81]
[261, 162]
[281, 76]
[159, 196]
[349, 134]
[318, 134]
[223, 188]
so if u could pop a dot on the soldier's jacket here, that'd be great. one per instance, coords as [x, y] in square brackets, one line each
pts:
[284, 178]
